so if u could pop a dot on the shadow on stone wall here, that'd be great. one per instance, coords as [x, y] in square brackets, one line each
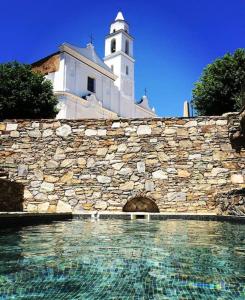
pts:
[231, 203]
[141, 204]
[237, 131]
[11, 196]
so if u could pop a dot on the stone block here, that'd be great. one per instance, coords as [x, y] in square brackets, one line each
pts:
[46, 187]
[87, 206]
[185, 144]
[38, 174]
[41, 197]
[14, 134]
[52, 208]
[67, 177]
[101, 151]
[34, 133]
[90, 162]
[149, 186]
[63, 207]
[47, 133]
[197, 156]
[162, 156]
[191, 124]
[90, 132]
[70, 193]
[116, 125]
[144, 130]
[169, 131]
[183, 173]
[127, 186]
[176, 196]
[27, 194]
[101, 205]
[117, 166]
[103, 179]
[43, 207]
[81, 161]
[11, 126]
[159, 174]
[22, 170]
[141, 167]
[35, 125]
[121, 148]
[51, 178]
[52, 164]
[182, 132]
[66, 163]
[2, 127]
[221, 122]
[32, 208]
[64, 131]
[125, 171]
[218, 171]
[237, 178]
[102, 132]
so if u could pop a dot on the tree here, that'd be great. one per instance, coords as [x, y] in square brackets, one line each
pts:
[221, 86]
[25, 94]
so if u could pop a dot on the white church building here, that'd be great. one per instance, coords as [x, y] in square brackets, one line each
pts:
[89, 87]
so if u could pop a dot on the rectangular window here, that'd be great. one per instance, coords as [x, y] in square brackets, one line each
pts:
[91, 84]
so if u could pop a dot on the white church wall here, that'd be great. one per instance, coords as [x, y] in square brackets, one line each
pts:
[74, 107]
[77, 74]
[116, 62]
[57, 78]
[118, 26]
[125, 38]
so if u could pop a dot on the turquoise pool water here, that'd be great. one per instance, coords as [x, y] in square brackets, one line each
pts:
[119, 260]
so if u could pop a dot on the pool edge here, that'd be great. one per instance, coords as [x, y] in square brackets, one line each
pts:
[26, 219]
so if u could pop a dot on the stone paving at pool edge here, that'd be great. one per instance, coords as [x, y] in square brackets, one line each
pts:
[101, 164]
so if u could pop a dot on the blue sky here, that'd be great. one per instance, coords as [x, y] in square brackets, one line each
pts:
[174, 39]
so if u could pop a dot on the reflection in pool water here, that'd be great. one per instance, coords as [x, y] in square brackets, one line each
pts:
[116, 259]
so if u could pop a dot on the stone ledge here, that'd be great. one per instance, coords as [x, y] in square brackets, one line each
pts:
[16, 219]
[159, 216]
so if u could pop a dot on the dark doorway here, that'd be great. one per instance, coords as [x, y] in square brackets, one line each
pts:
[141, 204]
[11, 196]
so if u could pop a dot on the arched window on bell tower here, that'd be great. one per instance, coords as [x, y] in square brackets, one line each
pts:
[113, 45]
[127, 47]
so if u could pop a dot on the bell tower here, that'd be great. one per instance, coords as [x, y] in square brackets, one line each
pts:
[119, 55]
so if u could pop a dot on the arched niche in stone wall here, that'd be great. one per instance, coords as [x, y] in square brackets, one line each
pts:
[141, 204]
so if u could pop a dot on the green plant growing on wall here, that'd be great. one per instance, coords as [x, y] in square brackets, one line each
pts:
[221, 86]
[25, 94]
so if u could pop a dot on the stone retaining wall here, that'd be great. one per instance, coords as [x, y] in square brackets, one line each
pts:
[181, 164]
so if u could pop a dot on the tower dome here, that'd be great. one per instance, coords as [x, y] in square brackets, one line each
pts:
[119, 24]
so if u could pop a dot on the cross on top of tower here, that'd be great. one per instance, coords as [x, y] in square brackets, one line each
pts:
[91, 39]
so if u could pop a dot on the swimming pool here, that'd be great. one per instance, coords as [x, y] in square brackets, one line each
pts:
[119, 260]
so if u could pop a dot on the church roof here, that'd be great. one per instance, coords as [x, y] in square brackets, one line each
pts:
[90, 53]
